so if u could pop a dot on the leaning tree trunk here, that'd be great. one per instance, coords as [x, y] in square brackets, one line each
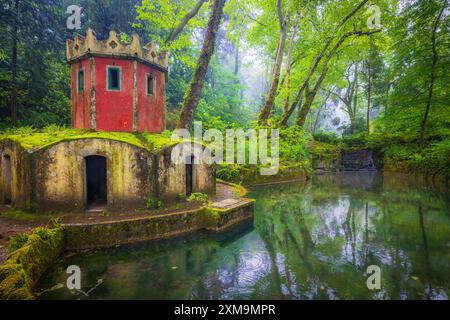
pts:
[303, 113]
[432, 78]
[270, 98]
[286, 115]
[14, 66]
[192, 97]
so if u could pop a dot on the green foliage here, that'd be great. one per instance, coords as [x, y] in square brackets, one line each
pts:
[292, 144]
[153, 203]
[323, 150]
[327, 137]
[432, 159]
[16, 242]
[199, 197]
[355, 140]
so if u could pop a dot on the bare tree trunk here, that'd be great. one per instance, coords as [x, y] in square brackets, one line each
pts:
[286, 115]
[432, 77]
[192, 97]
[369, 95]
[14, 66]
[192, 13]
[270, 98]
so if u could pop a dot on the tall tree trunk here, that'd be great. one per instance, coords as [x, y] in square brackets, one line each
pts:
[192, 13]
[286, 115]
[319, 112]
[369, 96]
[192, 97]
[270, 98]
[287, 81]
[355, 99]
[432, 76]
[236, 59]
[303, 113]
[14, 66]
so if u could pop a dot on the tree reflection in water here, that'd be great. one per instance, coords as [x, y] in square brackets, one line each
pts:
[312, 241]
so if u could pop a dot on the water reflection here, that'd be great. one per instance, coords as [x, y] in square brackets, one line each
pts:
[310, 241]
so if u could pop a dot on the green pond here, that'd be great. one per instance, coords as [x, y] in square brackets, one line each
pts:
[308, 241]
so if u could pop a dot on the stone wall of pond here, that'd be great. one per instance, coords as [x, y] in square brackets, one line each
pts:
[357, 160]
[82, 236]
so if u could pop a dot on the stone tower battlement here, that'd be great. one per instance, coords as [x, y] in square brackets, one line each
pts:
[80, 46]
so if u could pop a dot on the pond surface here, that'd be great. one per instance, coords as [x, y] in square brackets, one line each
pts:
[309, 241]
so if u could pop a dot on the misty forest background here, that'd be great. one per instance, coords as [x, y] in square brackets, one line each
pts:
[312, 68]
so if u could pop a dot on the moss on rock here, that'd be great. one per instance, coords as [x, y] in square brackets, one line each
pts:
[24, 266]
[32, 140]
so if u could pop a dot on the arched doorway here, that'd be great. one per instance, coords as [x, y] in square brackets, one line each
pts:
[189, 172]
[96, 184]
[7, 183]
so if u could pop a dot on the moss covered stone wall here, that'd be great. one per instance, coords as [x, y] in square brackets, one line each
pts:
[60, 173]
[108, 234]
[20, 174]
[52, 177]
[171, 177]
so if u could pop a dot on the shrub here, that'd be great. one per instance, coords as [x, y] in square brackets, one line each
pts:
[355, 140]
[327, 137]
[199, 197]
[153, 203]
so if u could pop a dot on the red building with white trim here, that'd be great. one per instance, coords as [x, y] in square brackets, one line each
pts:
[117, 87]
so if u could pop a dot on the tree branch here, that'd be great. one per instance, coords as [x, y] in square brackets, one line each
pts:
[192, 13]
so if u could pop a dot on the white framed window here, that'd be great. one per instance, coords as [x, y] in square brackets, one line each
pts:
[113, 78]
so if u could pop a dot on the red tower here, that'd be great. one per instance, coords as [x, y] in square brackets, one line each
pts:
[116, 87]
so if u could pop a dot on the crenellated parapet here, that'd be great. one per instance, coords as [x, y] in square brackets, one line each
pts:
[89, 45]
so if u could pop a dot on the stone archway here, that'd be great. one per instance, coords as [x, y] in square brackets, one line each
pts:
[189, 175]
[96, 181]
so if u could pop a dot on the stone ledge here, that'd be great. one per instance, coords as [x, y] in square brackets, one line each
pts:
[106, 234]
